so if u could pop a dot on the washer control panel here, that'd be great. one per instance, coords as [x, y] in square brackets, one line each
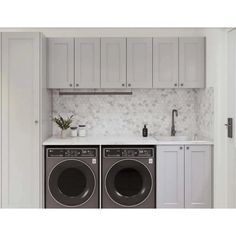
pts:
[129, 152]
[72, 152]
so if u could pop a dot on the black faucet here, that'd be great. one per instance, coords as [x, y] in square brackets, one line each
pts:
[173, 131]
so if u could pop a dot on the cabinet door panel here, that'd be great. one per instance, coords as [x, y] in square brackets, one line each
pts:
[165, 62]
[192, 62]
[198, 177]
[170, 177]
[139, 62]
[60, 63]
[87, 63]
[20, 110]
[113, 62]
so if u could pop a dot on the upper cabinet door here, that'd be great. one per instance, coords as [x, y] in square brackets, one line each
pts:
[113, 62]
[170, 176]
[198, 177]
[165, 62]
[192, 62]
[139, 62]
[87, 63]
[60, 63]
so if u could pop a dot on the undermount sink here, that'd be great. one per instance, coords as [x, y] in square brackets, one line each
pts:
[172, 138]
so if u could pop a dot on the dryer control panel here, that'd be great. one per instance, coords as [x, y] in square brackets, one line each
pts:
[129, 152]
[72, 152]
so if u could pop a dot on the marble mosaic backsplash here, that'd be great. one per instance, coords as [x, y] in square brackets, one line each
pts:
[126, 114]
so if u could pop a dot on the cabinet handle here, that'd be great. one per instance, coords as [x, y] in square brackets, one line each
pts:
[181, 148]
[187, 148]
[182, 84]
[36, 121]
[77, 85]
[175, 85]
[70, 85]
[123, 85]
[129, 85]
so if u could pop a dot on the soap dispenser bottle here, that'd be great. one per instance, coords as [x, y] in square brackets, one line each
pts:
[145, 131]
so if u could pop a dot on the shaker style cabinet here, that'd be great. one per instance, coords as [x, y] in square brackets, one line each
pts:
[170, 176]
[22, 123]
[139, 62]
[87, 63]
[113, 63]
[60, 62]
[126, 63]
[165, 62]
[192, 62]
[184, 176]
[198, 177]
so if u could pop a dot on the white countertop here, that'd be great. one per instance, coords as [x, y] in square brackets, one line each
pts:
[118, 140]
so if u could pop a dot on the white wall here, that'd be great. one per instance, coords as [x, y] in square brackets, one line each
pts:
[216, 74]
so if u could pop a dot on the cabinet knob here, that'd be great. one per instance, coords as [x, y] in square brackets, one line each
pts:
[77, 85]
[123, 85]
[36, 121]
[129, 85]
[70, 85]
[187, 148]
[182, 84]
[175, 85]
[180, 148]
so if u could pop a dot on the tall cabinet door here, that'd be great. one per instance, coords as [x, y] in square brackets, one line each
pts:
[192, 62]
[198, 177]
[60, 63]
[139, 62]
[20, 117]
[165, 62]
[87, 63]
[113, 62]
[170, 176]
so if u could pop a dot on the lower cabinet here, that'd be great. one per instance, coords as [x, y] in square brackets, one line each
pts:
[184, 176]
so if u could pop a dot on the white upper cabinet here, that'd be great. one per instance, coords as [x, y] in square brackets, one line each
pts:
[139, 62]
[170, 176]
[60, 63]
[165, 62]
[198, 177]
[113, 62]
[192, 62]
[87, 63]
[20, 120]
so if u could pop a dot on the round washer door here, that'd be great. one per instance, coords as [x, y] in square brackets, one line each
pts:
[71, 183]
[128, 183]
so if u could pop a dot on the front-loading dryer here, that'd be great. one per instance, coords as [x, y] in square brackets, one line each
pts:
[72, 177]
[128, 176]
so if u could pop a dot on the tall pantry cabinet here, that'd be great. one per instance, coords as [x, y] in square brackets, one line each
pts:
[25, 119]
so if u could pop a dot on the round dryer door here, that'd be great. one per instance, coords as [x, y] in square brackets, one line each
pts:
[71, 183]
[128, 183]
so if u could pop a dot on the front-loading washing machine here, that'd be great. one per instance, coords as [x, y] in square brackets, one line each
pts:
[72, 177]
[128, 176]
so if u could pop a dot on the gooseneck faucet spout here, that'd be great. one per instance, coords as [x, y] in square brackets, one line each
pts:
[173, 131]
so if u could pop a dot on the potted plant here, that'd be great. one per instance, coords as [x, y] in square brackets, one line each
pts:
[63, 124]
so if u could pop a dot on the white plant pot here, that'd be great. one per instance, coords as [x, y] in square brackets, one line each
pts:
[63, 133]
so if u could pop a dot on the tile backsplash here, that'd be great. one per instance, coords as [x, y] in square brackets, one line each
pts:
[126, 114]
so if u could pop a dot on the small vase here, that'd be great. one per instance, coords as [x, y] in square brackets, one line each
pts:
[63, 133]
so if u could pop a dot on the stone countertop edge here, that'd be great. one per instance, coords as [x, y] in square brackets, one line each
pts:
[107, 140]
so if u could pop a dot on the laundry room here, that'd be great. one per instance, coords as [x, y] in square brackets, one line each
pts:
[117, 118]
